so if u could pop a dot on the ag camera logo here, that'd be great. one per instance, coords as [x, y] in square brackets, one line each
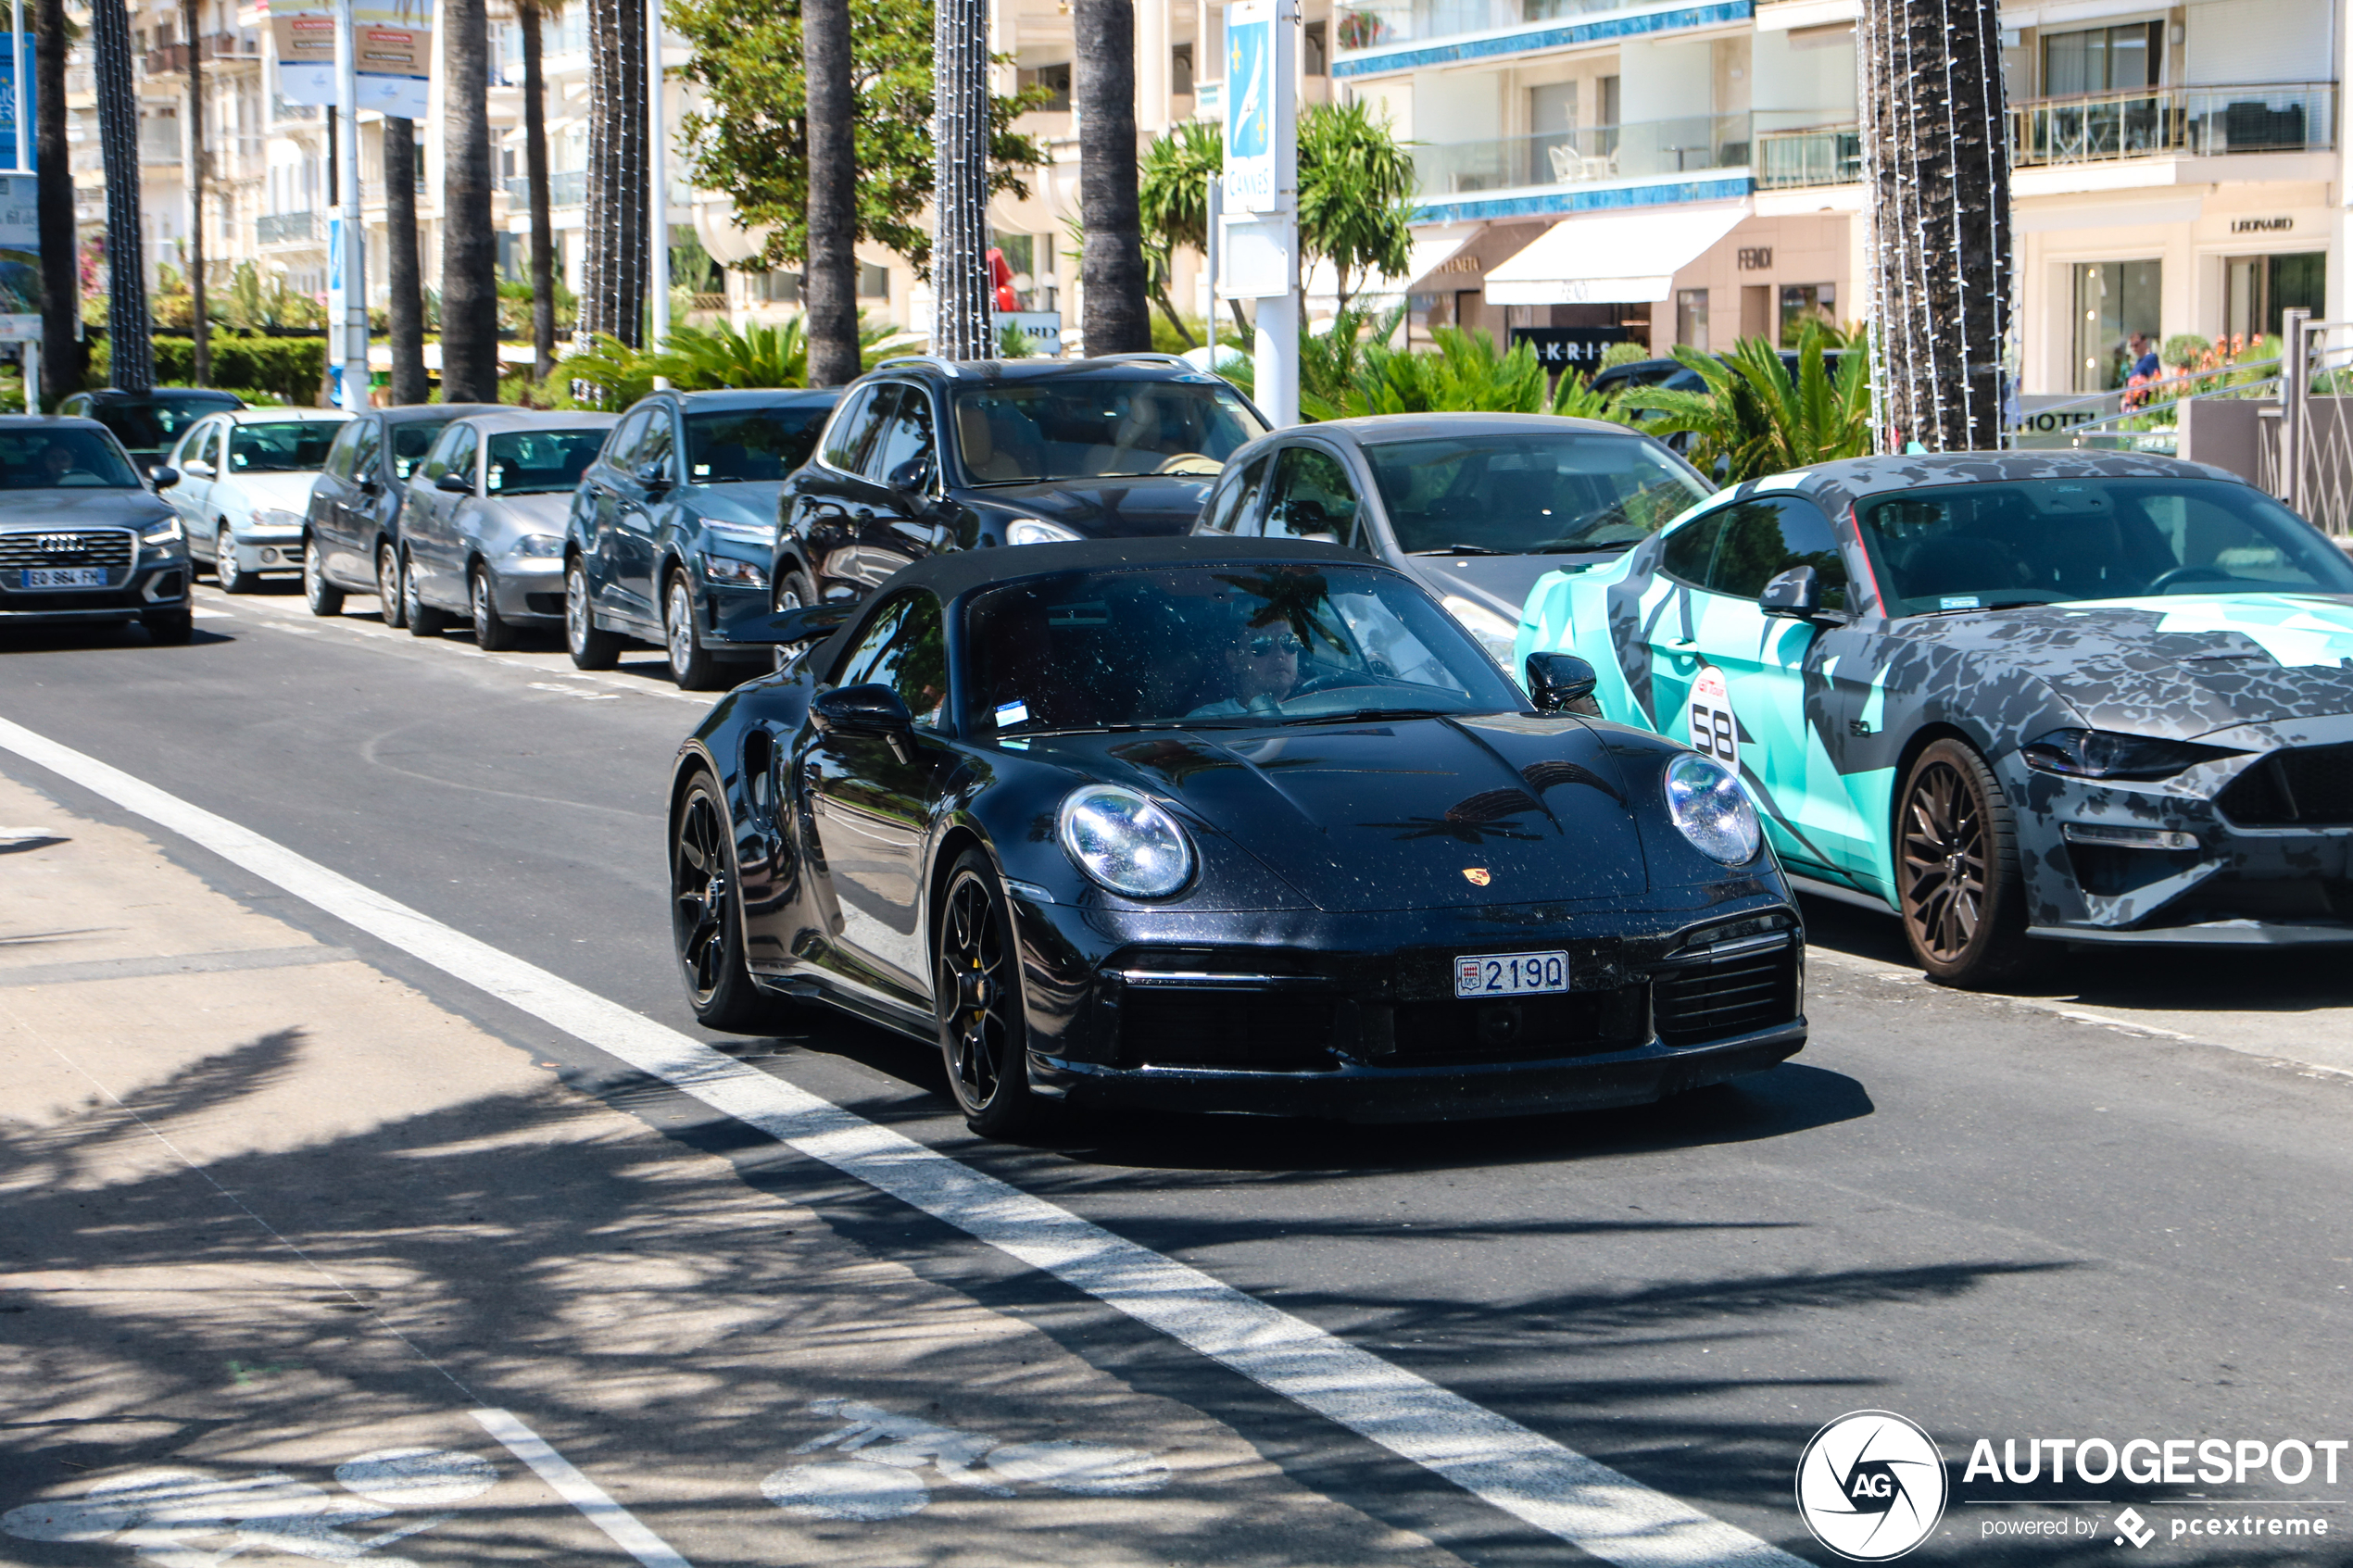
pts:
[1870, 1485]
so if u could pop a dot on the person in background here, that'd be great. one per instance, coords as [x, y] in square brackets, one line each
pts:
[2144, 357]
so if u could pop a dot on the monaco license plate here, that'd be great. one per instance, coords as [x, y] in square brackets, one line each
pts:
[65, 577]
[1510, 975]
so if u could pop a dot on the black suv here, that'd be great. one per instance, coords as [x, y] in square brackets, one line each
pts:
[351, 537]
[148, 423]
[928, 455]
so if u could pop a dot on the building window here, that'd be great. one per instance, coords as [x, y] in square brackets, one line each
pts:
[2102, 59]
[1054, 79]
[2114, 302]
[1180, 69]
[873, 283]
[772, 288]
[2258, 289]
[1691, 317]
[1315, 60]
[1802, 303]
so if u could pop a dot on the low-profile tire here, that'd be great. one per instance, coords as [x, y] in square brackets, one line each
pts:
[794, 591]
[590, 648]
[232, 578]
[323, 597]
[691, 664]
[1958, 885]
[388, 595]
[423, 619]
[983, 1035]
[492, 632]
[706, 920]
[169, 627]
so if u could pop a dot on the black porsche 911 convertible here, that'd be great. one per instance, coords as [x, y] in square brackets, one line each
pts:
[1220, 825]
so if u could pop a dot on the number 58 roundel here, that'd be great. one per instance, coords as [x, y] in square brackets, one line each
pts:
[1714, 731]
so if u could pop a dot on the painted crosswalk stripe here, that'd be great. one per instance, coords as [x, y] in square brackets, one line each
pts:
[1543, 1483]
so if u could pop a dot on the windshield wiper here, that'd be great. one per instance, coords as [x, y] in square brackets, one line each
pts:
[1358, 714]
[1464, 550]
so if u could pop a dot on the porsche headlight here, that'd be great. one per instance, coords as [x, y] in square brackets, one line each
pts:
[1712, 809]
[2104, 754]
[1494, 633]
[1125, 841]
[1037, 531]
[166, 532]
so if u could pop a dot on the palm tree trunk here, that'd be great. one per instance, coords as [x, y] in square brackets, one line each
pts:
[404, 313]
[1936, 172]
[131, 349]
[542, 226]
[960, 200]
[469, 246]
[1110, 268]
[613, 296]
[829, 270]
[62, 361]
[199, 330]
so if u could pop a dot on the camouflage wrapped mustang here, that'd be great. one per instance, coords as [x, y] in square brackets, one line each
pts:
[2009, 695]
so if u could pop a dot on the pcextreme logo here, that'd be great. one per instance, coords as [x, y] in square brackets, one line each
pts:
[1870, 1485]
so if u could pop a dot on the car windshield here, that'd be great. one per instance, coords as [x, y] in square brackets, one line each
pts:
[2050, 540]
[1529, 494]
[62, 460]
[156, 420]
[733, 446]
[410, 442]
[539, 462]
[1022, 433]
[1240, 644]
[281, 446]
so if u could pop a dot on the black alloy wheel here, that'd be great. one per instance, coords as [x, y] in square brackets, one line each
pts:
[1964, 902]
[706, 923]
[984, 1038]
[232, 577]
[388, 595]
[323, 597]
[492, 632]
[793, 592]
[590, 648]
[424, 619]
[691, 664]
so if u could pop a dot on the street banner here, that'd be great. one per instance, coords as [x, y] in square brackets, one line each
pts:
[16, 96]
[394, 48]
[20, 258]
[1251, 184]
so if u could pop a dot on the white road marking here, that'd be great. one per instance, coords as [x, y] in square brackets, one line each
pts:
[212, 615]
[1898, 974]
[1521, 1472]
[574, 691]
[628, 1531]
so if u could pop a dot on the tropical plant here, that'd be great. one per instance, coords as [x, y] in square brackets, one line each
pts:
[611, 375]
[1463, 372]
[1628, 353]
[518, 307]
[1332, 362]
[252, 300]
[469, 244]
[1172, 199]
[1756, 419]
[1013, 344]
[1356, 195]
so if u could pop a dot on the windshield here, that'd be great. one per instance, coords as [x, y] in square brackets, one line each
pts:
[62, 460]
[538, 463]
[732, 446]
[1025, 432]
[288, 447]
[1243, 645]
[161, 419]
[2050, 540]
[1529, 494]
[411, 442]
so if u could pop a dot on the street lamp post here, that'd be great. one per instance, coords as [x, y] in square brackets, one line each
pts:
[350, 258]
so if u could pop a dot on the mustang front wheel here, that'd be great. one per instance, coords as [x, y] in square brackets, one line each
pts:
[705, 920]
[1964, 902]
[982, 1036]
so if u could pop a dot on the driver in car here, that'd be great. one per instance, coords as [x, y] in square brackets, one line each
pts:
[1262, 669]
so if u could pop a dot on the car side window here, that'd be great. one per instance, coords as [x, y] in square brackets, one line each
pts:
[436, 461]
[846, 438]
[368, 447]
[1765, 538]
[463, 445]
[906, 649]
[1312, 498]
[1689, 549]
[625, 437]
[856, 666]
[654, 448]
[338, 463]
[1232, 509]
[209, 448]
[905, 440]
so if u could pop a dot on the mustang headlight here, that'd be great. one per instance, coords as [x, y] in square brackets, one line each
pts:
[166, 532]
[2103, 754]
[1494, 633]
[1037, 531]
[1712, 809]
[1124, 841]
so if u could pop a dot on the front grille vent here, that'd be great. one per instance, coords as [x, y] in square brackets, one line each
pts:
[1727, 996]
[2307, 787]
[108, 547]
[1178, 1026]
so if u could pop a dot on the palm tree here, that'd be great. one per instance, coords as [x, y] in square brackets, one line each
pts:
[469, 246]
[1936, 172]
[960, 200]
[130, 350]
[829, 272]
[61, 352]
[199, 330]
[404, 313]
[612, 295]
[1110, 268]
[535, 159]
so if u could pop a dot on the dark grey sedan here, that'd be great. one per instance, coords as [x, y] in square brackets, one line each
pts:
[82, 537]
[1476, 505]
[481, 527]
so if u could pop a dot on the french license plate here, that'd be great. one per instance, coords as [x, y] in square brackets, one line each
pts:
[1510, 975]
[65, 577]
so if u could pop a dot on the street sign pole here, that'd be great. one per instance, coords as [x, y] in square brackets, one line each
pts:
[1260, 257]
[657, 189]
[351, 247]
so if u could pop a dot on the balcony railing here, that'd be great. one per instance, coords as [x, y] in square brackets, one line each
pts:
[1583, 158]
[2195, 121]
[170, 59]
[286, 228]
[566, 187]
[1819, 154]
[1371, 24]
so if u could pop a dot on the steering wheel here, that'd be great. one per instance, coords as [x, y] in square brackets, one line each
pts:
[1190, 462]
[2165, 581]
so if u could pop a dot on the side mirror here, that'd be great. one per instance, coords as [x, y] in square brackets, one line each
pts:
[1561, 683]
[910, 477]
[871, 709]
[199, 467]
[1796, 593]
[455, 483]
[164, 476]
[654, 476]
[768, 629]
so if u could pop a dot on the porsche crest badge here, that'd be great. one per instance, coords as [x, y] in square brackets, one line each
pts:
[1476, 875]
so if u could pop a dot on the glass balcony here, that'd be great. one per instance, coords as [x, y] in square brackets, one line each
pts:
[1648, 148]
[1370, 24]
[1816, 155]
[2192, 121]
[286, 228]
[566, 187]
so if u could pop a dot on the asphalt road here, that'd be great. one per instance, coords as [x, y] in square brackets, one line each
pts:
[2111, 1210]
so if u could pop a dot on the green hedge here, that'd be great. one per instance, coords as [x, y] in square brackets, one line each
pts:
[291, 366]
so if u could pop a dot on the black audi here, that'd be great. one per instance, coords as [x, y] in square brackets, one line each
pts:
[1243, 825]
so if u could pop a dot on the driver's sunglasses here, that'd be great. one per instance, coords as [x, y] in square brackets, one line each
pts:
[1261, 648]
